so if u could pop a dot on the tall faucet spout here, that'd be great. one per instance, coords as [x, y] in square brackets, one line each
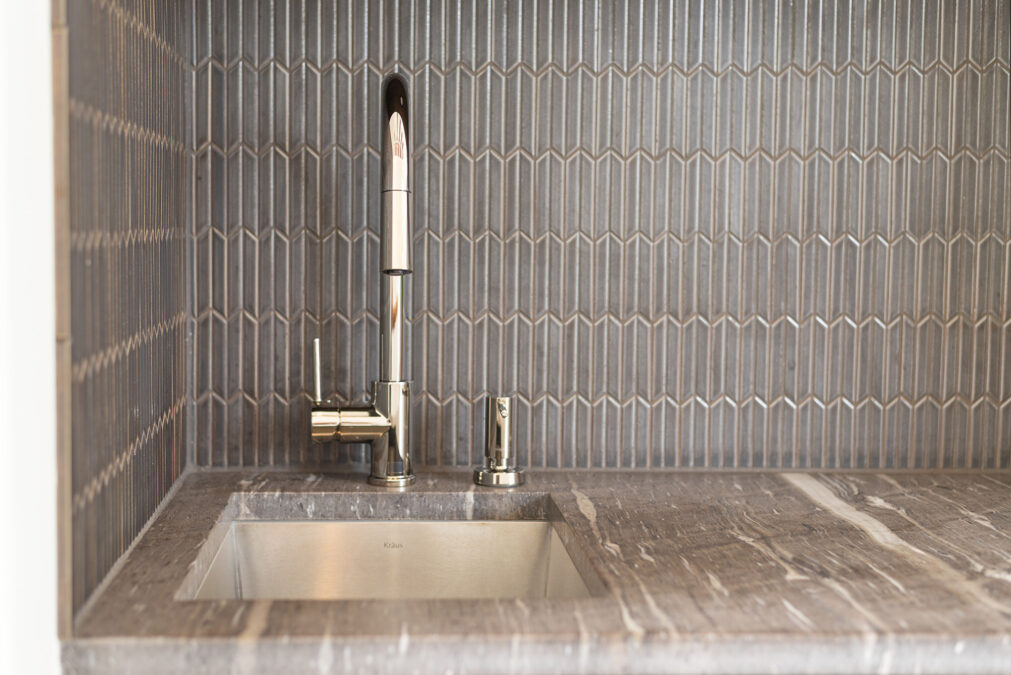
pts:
[391, 455]
[396, 226]
[395, 239]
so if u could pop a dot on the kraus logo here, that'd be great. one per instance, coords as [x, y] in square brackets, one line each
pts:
[392, 544]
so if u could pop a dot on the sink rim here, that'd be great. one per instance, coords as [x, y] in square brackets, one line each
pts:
[534, 507]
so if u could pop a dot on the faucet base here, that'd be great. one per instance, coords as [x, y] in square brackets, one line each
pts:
[498, 477]
[391, 481]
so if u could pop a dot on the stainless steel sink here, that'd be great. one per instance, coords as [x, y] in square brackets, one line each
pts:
[405, 559]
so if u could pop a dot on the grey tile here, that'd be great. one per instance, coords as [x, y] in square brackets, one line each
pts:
[1004, 439]
[663, 442]
[985, 425]
[810, 171]
[127, 232]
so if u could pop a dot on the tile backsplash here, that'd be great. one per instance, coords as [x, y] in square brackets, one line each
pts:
[734, 234]
[728, 234]
[125, 120]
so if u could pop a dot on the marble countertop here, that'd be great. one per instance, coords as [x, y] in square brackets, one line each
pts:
[702, 572]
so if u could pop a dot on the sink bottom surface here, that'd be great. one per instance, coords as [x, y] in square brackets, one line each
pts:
[368, 559]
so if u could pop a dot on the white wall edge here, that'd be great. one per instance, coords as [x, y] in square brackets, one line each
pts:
[28, 527]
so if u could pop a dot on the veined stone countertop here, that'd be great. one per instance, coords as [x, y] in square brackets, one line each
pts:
[703, 571]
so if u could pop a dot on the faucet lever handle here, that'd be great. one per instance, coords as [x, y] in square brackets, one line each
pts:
[317, 378]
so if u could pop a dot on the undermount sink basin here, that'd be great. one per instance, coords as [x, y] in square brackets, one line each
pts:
[388, 559]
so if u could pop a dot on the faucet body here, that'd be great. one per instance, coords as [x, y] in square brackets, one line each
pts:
[385, 422]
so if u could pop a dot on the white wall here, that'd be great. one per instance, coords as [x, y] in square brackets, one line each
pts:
[28, 615]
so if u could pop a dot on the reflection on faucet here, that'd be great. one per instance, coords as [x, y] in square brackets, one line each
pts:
[385, 422]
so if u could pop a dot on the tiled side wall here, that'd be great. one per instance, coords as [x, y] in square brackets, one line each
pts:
[734, 234]
[127, 302]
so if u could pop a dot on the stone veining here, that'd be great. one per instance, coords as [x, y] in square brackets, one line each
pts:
[885, 537]
[796, 573]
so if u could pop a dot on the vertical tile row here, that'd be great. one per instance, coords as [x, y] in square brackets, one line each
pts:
[733, 235]
[282, 155]
[127, 154]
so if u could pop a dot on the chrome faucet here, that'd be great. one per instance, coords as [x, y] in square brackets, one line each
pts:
[385, 422]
